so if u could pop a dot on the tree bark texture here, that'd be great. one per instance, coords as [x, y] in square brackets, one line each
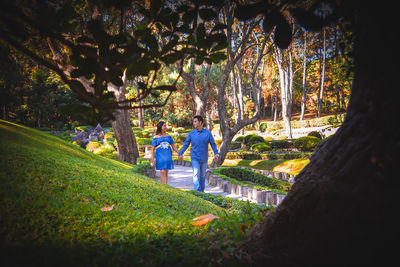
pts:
[303, 95]
[341, 210]
[321, 88]
[286, 80]
[200, 100]
[127, 146]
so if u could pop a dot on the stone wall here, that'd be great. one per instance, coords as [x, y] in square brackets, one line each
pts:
[258, 195]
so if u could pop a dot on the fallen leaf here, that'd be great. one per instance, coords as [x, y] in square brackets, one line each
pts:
[107, 208]
[204, 219]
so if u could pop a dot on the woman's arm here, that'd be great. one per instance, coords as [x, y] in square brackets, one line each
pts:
[175, 148]
[153, 157]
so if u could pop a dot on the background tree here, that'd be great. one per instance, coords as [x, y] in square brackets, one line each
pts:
[243, 41]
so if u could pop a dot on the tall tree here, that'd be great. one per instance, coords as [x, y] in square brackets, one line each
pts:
[284, 61]
[234, 57]
[303, 95]
[199, 96]
[322, 74]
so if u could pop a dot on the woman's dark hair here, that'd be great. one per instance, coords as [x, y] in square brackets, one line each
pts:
[159, 126]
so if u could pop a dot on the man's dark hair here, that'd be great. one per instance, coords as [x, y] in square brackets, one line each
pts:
[199, 118]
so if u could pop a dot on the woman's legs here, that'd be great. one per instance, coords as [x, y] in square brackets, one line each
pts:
[164, 176]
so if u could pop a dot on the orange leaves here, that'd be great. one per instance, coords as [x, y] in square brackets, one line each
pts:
[107, 208]
[204, 219]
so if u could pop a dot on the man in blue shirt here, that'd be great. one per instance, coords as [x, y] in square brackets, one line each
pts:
[200, 138]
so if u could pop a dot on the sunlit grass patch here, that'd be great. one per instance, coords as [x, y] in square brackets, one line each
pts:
[293, 166]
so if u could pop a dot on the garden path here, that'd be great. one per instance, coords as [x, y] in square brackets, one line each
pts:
[181, 177]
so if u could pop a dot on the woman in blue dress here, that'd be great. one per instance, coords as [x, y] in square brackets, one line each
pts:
[161, 152]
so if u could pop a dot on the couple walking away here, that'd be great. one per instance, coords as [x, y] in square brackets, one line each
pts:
[161, 153]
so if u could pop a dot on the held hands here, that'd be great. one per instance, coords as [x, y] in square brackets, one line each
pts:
[180, 157]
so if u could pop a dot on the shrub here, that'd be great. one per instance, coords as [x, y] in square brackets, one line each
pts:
[178, 130]
[315, 134]
[260, 147]
[246, 139]
[255, 139]
[307, 143]
[92, 146]
[250, 156]
[263, 127]
[109, 136]
[82, 128]
[240, 139]
[282, 137]
[144, 141]
[180, 138]
[242, 174]
[280, 144]
[235, 145]
[79, 143]
[142, 166]
[269, 138]
[145, 134]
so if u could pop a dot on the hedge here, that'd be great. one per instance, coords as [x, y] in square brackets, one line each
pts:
[307, 143]
[242, 174]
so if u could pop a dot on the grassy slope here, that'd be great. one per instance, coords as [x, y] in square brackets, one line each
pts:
[51, 195]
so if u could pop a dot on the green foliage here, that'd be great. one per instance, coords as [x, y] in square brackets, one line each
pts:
[307, 143]
[263, 127]
[280, 144]
[144, 141]
[315, 134]
[268, 138]
[336, 120]
[255, 139]
[142, 166]
[240, 139]
[242, 174]
[260, 147]
[93, 145]
[52, 194]
[109, 136]
[251, 156]
[82, 128]
[235, 145]
[79, 143]
[246, 139]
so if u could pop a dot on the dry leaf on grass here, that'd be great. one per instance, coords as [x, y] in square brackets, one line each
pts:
[107, 208]
[204, 219]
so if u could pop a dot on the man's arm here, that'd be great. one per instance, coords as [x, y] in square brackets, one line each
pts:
[185, 146]
[213, 145]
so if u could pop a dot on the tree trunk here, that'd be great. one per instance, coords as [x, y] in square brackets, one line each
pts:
[321, 89]
[342, 207]
[140, 110]
[200, 101]
[286, 78]
[127, 146]
[303, 96]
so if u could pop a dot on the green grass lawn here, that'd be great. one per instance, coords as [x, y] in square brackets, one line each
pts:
[52, 193]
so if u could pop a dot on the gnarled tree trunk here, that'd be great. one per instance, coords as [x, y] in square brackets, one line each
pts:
[341, 209]
[127, 146]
